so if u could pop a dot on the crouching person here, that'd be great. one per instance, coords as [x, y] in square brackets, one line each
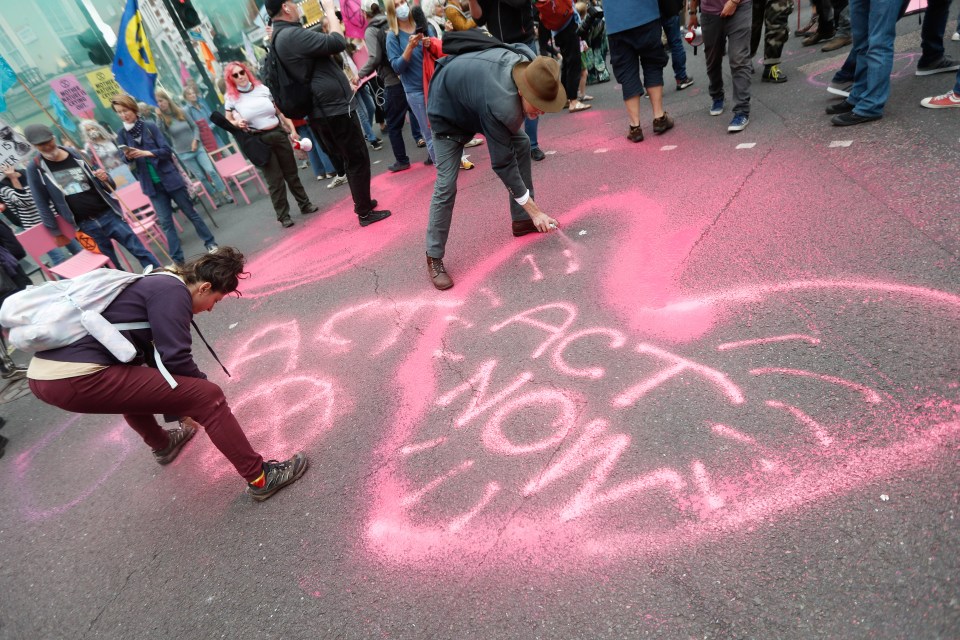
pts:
[85, 377]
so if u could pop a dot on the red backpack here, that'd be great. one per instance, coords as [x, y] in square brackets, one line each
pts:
[554, 14]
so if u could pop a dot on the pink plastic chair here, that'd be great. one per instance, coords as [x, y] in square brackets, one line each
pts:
[139, 213]
[237, 170]
[37, 241]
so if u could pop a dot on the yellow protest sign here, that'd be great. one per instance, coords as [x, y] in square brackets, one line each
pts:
[104, 85]
[312, 13]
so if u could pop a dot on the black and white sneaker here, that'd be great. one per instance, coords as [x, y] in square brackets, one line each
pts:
[178, 438]
[944, 64]
[278, 475]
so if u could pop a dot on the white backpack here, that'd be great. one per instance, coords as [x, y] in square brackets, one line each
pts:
[58, 313]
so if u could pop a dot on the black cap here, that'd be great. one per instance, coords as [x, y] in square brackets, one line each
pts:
[37, 133]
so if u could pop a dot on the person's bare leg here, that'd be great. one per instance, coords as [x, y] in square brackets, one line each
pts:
[633, 108]
[656, 101]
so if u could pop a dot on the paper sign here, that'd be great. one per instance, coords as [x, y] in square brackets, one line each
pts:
[14, 148]
[69, 90]
[104, 85]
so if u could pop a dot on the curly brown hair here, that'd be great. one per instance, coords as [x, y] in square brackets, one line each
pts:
[223, 269]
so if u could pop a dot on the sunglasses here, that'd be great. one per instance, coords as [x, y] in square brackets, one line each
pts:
[237, 74]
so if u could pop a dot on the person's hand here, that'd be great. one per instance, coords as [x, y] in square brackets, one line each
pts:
[194, 145]
[544, 223]
[414, 40]
[240, 122]
[61, 240]
[447, 25]
[11, 172]
[693, 22]
[354, 82]
[729, 8]
[294, 136]
[133, 154]
[101, 175]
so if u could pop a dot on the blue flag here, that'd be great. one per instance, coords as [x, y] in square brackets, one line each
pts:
[60, 110]
[133, 64]
[7, 79]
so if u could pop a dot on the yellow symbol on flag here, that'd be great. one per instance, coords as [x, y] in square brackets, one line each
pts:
[138, 46]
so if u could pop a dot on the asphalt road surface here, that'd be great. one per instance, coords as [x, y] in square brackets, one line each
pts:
[722, 402]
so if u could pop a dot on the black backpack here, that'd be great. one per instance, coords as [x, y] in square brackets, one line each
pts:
[293, 97]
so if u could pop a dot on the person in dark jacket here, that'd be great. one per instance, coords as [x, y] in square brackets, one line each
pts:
[489, 91]
[62, 183]
[85, 377]
[334, 117]
[159, 177]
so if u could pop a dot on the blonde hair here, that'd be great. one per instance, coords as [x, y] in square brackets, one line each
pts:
[581, 9]
[391, 8]
[175, 110]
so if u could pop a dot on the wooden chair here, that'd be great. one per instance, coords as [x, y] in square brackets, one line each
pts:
[37, 241]
[237, 170]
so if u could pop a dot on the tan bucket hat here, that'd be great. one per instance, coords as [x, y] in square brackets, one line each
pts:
[539, 83]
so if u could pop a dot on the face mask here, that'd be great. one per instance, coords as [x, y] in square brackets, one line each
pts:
[403, 12]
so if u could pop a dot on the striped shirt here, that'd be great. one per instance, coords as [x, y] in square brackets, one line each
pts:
[20, 205]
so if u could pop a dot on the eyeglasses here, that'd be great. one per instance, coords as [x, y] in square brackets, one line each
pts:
[237, 74]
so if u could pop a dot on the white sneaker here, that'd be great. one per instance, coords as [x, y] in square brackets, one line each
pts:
[336, 182]
[473, 143]
[955, 37]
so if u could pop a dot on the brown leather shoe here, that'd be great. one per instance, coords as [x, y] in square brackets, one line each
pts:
[837, 43]
[523, 227]
[817, 38]
[438, 275]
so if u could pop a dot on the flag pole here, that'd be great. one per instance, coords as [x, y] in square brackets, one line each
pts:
[63, 132]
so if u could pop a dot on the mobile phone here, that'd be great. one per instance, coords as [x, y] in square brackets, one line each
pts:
[420, 31]
[124, 148]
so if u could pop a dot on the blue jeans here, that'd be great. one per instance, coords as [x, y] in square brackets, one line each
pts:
[531, 125]
[318, 159]
[62, 254]
[956, 87]
[678, 57]
[932, 30]
[162, 203]
[110, 226]
[418, 106]
[366, 110]
[873, 26]
[199, 165]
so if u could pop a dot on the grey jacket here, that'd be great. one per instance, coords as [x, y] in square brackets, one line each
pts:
[299, 49]
[475, 92]
[49, 197]
[375, 39]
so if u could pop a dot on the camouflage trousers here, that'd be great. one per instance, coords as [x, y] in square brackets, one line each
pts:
[771, 15]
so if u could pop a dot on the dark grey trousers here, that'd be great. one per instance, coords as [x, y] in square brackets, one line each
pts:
[729, 36]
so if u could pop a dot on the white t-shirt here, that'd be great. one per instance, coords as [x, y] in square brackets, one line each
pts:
[256, 107]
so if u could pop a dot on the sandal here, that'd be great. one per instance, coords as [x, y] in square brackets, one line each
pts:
[584, 98]
[580, 107]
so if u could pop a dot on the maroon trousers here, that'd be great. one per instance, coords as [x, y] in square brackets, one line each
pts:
[140, 392]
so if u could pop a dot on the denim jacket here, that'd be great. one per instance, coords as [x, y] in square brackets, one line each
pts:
[49, 197]
[154, 142]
